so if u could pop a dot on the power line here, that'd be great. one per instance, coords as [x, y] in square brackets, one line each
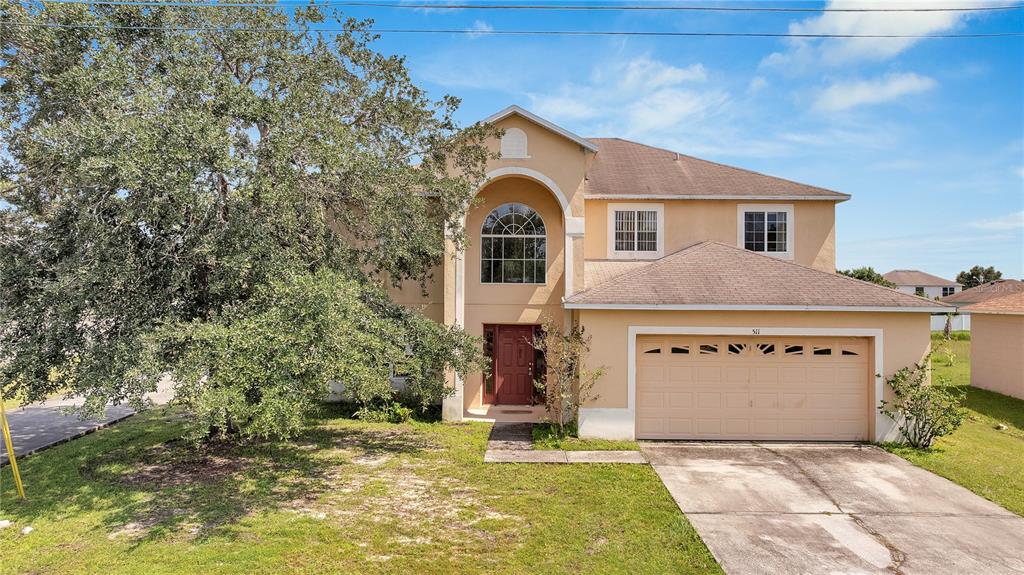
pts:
[510, 32]
[547, 7]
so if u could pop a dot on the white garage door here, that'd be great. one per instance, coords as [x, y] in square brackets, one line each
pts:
[731, 387]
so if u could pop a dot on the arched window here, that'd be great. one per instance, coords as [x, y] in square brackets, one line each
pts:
[513, 144]
[513, 246]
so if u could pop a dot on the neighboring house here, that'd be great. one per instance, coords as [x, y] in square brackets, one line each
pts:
[921, 284]
[932, 287]
[997, 342]
[709, 292]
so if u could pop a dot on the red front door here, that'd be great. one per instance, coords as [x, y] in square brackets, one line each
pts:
[513, 364]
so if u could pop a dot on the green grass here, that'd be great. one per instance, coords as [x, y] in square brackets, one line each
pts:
[978, 456]
[545, 438]
[954, 335]
[346, 497]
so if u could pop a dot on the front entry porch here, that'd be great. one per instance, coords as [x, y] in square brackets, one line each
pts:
[506, 413]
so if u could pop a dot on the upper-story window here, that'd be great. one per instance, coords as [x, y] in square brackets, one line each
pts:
[513, 144]
[948, 291]
[513, 246]
[766, 229]
[919, 291]
[636, 231]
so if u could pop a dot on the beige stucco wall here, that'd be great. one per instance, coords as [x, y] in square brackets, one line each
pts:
[906, 337]
[428, 299]
[510, 303]
[997, 361]
[558, 158]
[691, 221]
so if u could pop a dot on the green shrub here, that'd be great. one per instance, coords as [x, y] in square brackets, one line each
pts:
[261, 368]
[923, 411]
[390, 412]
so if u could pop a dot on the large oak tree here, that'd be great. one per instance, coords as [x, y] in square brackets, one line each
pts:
[219, 193]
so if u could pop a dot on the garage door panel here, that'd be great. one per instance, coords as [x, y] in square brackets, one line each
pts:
[737, 426]
[753, 388]
[680, 374]
[680, 399]
[709, 374]
[765, 400]
[737, 374]
[650, 399]
[735, 400]
[708, 427]
[650, 373]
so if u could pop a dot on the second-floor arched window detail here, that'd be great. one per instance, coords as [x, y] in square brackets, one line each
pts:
[513, 246]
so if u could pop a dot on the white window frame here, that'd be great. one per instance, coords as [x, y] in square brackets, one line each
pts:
[543, 236]
[951, 289]
[742, 209]
[659, 210]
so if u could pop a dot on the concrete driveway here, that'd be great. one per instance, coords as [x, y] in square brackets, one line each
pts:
[772, 508]
[38, 426]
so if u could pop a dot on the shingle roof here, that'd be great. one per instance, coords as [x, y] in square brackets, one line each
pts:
[916, 278]
[1009, 304]
[596, 272]
[624, 169]
[985, 292]
[717, 274]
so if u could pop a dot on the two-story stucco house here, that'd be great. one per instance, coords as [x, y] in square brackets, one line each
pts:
[709, 292]
[932, 287]
[922, 284]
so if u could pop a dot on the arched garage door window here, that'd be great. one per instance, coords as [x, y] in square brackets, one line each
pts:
[513, 246]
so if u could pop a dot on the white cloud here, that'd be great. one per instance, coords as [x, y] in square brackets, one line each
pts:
[836, 51]
[480, 27]
[757, 83]
[634, 98]
[845, 95]
[1014, 221]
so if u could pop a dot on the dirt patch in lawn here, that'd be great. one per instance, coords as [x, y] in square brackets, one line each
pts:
[166, 466]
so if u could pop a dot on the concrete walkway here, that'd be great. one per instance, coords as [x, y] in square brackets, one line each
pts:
[771, 508]
[38, 426]
[513, 443]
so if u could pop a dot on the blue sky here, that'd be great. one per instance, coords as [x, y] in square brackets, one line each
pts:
[927, 135]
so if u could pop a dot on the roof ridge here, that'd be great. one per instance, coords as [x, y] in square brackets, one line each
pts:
[723, 165]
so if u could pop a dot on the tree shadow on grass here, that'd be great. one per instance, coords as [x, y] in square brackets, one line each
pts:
[999, 407]
[150, 485]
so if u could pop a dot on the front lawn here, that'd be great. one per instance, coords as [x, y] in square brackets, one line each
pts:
[979, 456]
[347, 497]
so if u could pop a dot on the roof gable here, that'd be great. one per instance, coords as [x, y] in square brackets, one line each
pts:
[629, 170]
[713, 275]
[513, 109]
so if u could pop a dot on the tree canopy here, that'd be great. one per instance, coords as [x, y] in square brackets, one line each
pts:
[978, 275]
[170, 175]
[867, 274]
